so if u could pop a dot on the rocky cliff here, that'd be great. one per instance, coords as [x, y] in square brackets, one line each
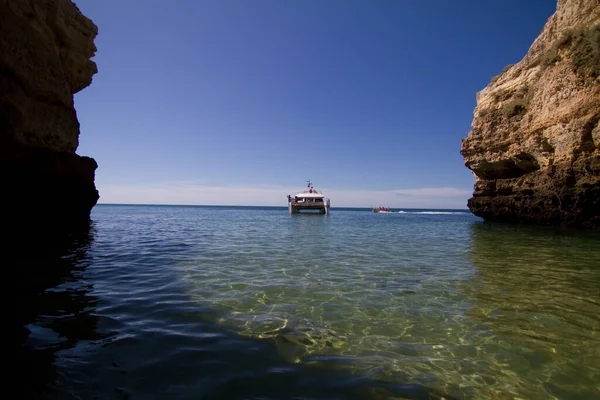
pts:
[45, 51]
[534, 146]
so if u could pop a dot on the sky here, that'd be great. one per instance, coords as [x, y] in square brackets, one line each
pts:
[240, 102]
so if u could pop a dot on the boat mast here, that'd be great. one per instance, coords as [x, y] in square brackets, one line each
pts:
[309, 186]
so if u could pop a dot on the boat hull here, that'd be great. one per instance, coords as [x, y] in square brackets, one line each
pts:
[299, 208]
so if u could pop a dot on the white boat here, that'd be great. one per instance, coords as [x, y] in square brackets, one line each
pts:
[310, 200]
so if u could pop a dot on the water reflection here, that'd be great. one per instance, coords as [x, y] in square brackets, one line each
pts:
[53, 306]
[538, 292]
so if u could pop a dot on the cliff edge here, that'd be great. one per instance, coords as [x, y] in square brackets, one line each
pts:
[534, 146]
[45, 51]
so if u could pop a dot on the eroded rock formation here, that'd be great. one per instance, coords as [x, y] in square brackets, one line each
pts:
[45, 51]
[534, 146]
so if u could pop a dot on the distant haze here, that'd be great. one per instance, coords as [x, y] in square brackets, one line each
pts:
[186, 193]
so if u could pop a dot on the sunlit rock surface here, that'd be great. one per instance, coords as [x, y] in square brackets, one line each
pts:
[534, 146]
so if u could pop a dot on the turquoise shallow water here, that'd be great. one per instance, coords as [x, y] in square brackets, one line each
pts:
[253, 303]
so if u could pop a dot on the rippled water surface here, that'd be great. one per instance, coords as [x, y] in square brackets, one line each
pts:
[253, 303]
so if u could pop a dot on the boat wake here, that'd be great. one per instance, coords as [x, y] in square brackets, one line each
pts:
[431, 212]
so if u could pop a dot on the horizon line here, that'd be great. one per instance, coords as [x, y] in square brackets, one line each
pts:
[247, 205]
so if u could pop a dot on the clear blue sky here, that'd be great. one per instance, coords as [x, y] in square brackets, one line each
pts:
[242, 101]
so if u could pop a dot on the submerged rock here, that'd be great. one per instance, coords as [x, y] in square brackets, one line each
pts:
[45, 51]
[534, 146]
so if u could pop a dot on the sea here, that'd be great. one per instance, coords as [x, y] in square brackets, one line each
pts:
[219, 302]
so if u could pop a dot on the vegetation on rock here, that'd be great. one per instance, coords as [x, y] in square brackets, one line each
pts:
[582, 47]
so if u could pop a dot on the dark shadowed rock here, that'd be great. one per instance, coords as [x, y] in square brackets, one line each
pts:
[45, 51]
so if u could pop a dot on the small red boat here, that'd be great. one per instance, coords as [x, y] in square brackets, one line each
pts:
[381, 209]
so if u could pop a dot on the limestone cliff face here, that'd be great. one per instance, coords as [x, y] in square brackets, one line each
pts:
[45, 51]
[534, 146]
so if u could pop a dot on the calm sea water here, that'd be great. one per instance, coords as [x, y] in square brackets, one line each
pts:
[168, 302]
